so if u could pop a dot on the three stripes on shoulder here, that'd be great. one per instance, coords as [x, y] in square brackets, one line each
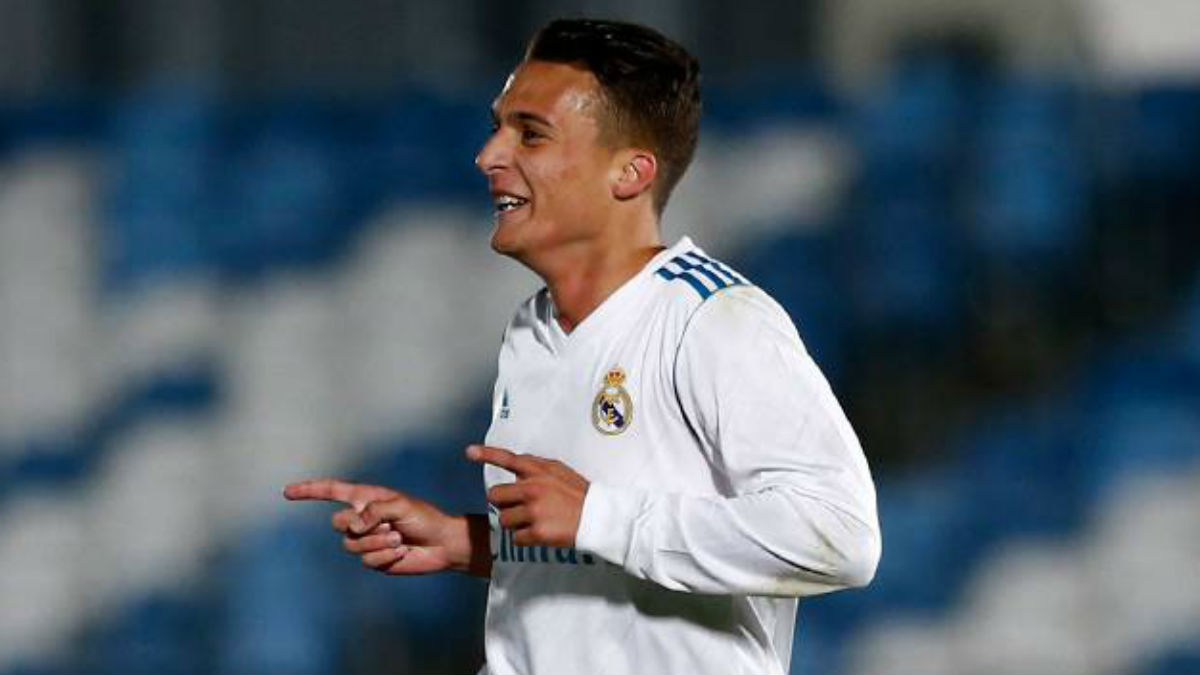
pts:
[705, 275]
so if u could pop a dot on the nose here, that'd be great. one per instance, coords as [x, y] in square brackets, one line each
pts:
[494, 154]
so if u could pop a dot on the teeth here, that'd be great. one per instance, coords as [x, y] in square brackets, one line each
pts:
[509, 202]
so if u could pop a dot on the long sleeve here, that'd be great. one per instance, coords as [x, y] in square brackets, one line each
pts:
[798, 514]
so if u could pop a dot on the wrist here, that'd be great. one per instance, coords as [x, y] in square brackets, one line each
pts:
[470, 552]
[607, 521]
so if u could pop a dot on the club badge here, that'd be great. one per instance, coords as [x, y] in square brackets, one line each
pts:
[612, 411]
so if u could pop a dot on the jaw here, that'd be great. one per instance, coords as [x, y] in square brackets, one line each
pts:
[510, 229]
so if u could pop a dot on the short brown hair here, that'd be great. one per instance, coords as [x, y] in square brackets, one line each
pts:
[650, 85]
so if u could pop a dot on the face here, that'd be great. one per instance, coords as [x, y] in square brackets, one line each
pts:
[548, 172]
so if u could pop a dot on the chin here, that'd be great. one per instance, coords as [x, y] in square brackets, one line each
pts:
[504, 242]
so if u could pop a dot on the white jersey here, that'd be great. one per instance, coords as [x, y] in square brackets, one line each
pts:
[725, 480]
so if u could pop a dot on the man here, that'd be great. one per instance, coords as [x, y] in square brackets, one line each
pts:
[667, 469]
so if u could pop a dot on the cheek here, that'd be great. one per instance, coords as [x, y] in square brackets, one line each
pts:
[570, 178]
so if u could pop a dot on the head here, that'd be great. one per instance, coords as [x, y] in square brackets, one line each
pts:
[600, 118]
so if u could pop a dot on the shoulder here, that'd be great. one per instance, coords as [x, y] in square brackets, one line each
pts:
[716, 301]
[740, 328]
[694, 276]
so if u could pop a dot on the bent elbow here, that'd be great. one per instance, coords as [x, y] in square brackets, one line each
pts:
[862, 559]
[854, 550]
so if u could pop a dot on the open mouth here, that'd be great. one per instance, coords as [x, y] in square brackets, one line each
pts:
[506, 203]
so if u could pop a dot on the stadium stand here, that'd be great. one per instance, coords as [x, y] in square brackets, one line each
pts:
[203, 299]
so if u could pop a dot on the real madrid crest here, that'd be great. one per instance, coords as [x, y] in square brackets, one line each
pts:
[612, 411]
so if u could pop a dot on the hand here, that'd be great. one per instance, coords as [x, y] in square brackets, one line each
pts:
[544, 505]
[390, 531]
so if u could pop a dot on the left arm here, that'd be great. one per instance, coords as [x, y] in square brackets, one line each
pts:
[801, 519]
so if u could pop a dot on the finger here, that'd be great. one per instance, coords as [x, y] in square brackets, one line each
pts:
[326, 489]
[560, 470]
[515, 518]
[524, 537]
[416, 560]
[377, 513]
[521, 465]
[335, 490]
[507, 494]
[372, 542]
[341, 523]
[341, 520]
[383, 559]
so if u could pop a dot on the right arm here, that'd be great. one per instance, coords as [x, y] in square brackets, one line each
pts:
[399, 534]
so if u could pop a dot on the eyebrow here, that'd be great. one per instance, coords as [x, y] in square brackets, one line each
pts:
[524, 116]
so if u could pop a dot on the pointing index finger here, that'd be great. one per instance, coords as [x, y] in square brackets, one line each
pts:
[325, 489]
[356, 495]
[521, 465]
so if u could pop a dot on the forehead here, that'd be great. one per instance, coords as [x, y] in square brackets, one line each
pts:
[556, 91]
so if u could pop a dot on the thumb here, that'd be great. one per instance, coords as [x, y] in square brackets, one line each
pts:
[376, 513]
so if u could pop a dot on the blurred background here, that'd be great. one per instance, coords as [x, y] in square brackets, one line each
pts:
[242, 242]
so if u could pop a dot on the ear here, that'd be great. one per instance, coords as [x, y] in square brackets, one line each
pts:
[633, 173]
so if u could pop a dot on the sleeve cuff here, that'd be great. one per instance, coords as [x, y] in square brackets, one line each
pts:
[606, 526]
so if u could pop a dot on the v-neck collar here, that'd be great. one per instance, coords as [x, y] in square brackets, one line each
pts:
[620, 299]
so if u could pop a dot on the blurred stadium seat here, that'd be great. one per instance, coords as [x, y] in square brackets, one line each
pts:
[202, 298]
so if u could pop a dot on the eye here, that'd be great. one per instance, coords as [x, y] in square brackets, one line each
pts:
[529, 135]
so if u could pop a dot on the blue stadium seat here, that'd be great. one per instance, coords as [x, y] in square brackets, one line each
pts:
[57, 117]
[904, 238]
[281, 605]
[765, 100]
[1186, 337]
[1029, 195]
[426, 148]
[161, 196]
[1024, 467]
[1181, 658]
[59, 461]
[1138, 414]
[1162, 133]
[160, 633]
[917, 120]
[815, 648]
[905, 272]
[286, 197]
[929, 538]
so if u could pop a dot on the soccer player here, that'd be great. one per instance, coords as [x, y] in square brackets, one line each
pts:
[667, 469]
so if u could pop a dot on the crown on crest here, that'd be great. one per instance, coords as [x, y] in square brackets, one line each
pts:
[614, 378]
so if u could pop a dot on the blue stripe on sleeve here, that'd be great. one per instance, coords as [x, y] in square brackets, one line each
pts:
[688, 277]
[734, 277]
[703, 269]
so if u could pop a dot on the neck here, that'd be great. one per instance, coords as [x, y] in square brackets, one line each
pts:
[584, 274]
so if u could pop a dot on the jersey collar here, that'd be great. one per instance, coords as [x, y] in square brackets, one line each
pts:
[615, 305]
